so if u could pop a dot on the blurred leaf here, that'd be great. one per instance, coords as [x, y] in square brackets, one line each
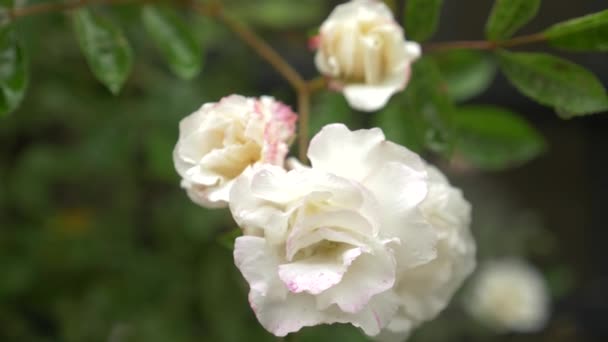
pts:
[588, 33]
[105, 47]
[333, 332]
[422, 18]
[158, 151]
[508, 16]
[421, 116]
[495, 138]
[467, 73]
[223, 300]
[569, 88]
[174, 39]
[405, 127]
[426, 97]
[227, 239]
[13, 72]
[330, 107]
[560, 280]
[279, 14]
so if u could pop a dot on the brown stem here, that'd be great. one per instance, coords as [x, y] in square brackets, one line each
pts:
[484, 44]
[529, 39]
[264, 50]
[316, 84]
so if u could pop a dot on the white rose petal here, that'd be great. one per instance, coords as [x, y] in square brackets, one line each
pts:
[364, 52]
[509, 295]
[220, 140]
[369, 235]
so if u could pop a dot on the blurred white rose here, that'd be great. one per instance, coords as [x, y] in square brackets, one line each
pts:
[362, 49]
[343, 240]
[220, 140]
[509, 295]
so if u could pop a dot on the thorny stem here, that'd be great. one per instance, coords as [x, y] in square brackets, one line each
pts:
[302, 87]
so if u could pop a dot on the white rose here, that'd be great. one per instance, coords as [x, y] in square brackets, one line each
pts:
[362, 49]
[329, 243]
[509, 295]
[220, 140]
[425, 291]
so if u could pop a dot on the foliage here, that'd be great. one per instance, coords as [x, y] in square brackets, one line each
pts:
[508, 16]
[555, 82]
[422, 18]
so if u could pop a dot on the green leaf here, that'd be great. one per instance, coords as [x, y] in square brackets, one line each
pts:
[467, 73]
[105, 47]
[402, 126]
[588, 33]
[422, 18]
[331, 107]
[176, 42]
[427, 96]
[508, 16]
[226, 239]
[495, 138]
[422, 115]
[552, 81]
[279, 14]
[13, 72]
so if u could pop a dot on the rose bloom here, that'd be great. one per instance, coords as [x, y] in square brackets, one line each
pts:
[509, 295]
[369, 235]
[362, 49]
[220, 140]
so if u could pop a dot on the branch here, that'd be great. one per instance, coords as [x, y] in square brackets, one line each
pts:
[484, 44]
[261, 47]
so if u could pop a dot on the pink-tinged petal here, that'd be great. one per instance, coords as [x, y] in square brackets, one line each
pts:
[345, 153]
[318, 273]
[314, 42]
[369, 275]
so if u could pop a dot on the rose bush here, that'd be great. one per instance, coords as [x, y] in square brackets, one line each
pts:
[363, 50]
[220, 140]
[369, 235]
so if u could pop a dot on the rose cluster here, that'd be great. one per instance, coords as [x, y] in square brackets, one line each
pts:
[368, 234]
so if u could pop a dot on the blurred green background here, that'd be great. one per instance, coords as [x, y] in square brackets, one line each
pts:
[99, 243]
